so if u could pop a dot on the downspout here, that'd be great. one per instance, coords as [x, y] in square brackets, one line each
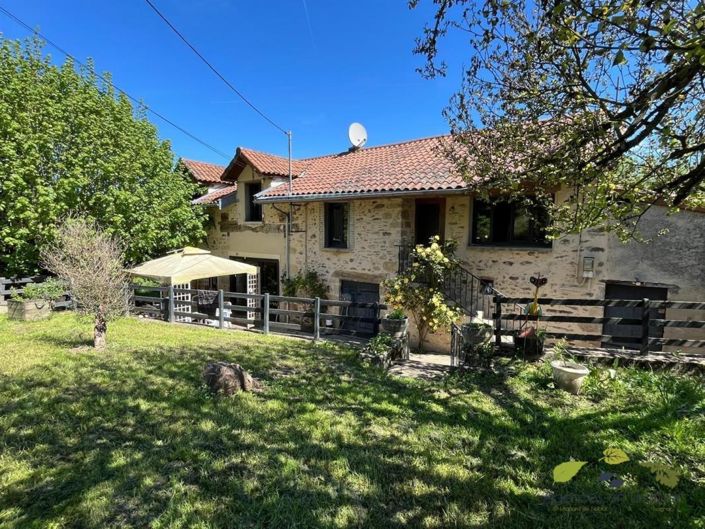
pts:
[289, 216]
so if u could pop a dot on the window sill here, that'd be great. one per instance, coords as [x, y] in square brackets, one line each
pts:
[336, 249]
[253, 222]
[513, 247]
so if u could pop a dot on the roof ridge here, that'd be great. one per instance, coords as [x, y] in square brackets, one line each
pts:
[267, 153]
[362, 149]
[199, 161]
[383, 146]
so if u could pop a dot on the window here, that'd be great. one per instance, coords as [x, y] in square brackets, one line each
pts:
[336, 224]
[509, 224]
[253, 212]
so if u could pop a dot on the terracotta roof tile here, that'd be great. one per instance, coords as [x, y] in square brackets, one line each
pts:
[203, 172]
[214, 196]
[417, 165]
[265, 163]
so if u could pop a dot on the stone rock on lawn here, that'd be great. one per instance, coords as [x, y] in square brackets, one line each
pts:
[225, 378]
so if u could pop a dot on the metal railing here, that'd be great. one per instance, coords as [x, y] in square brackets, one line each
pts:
[467, 291]
[262, 312]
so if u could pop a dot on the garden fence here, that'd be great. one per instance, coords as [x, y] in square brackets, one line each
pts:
[646, 329]
[10, 285]
[263, 312]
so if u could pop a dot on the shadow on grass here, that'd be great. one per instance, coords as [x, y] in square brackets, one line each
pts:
[131, 438]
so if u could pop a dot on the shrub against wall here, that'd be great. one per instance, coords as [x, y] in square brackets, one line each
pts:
[70, 143]
[419, 289]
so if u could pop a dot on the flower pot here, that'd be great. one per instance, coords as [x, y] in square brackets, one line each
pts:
[569, 376]
[28, 310]
[395, 327]
[530, 347]
[474, 334]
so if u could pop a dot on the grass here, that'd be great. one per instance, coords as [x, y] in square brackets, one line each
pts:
[130, 438]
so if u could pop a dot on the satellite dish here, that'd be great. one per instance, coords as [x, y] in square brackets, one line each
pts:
[357, 135]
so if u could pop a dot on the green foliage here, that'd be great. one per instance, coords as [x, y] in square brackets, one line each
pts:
[130, 439]
[380, 344]
[419, 289]
[306, 284]
[396, 314]
[71, 144]
[50, 290]
[604, 99]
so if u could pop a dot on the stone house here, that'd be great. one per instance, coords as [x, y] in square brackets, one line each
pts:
[354, 214]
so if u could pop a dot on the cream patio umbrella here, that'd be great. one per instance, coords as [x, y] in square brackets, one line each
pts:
[189, 264]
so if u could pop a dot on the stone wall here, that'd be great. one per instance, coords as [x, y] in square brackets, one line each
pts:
[377, 226]
[374, 233]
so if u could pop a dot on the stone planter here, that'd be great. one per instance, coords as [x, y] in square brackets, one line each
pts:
[569, 376]
[395, 327]
[30, 310]
[474, 334]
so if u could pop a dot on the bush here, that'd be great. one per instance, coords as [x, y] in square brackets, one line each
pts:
[419, 288]
[396, 314]
[305, 285]
[50, 290]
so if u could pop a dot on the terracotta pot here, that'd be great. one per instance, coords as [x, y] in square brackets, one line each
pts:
[395, 327]
[569, 376]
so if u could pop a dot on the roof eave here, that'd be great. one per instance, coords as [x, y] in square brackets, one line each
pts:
[359, 195]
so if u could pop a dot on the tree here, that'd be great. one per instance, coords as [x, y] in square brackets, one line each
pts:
[91, 262]
[69, 143]
[605, 97]
[419, 288]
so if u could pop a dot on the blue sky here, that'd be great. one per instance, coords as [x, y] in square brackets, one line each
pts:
[347, 61]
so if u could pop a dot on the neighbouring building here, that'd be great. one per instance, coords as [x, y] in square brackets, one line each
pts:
[356, 214]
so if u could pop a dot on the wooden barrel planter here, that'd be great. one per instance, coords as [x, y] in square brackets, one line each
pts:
[28, 310]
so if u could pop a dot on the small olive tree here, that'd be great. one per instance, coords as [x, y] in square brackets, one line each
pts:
[90, 260]
[419, 288]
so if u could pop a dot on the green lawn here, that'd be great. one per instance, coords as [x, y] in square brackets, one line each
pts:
[129, 437]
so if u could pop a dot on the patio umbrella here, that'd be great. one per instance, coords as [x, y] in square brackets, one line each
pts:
[189, 264]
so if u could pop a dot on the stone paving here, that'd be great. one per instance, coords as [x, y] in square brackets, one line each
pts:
[425, 366]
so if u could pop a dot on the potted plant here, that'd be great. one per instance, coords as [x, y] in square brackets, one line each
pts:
[476, 332]
[35, 301]
[568, 375]
[529, 342]
[395, 323]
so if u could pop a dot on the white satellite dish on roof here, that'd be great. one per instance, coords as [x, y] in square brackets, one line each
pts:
[357, 135]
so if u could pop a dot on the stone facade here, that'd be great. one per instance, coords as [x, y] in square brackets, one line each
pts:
[377, 226]
[374, 233]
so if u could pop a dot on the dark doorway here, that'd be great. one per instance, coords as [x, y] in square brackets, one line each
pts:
[268, 276]
[268, 279]
[358, 292]
[429, 219]
[629, 336]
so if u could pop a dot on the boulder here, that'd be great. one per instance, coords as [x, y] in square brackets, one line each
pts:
[225, 378]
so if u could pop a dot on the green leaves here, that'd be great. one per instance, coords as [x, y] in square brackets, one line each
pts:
[69, 145]
[614, 456]
[566, 471]
[665, 475]
[619, 59]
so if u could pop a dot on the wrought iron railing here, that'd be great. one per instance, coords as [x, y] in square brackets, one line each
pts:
[467, 291]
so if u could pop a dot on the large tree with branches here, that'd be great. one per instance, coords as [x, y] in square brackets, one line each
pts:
[606, 98]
